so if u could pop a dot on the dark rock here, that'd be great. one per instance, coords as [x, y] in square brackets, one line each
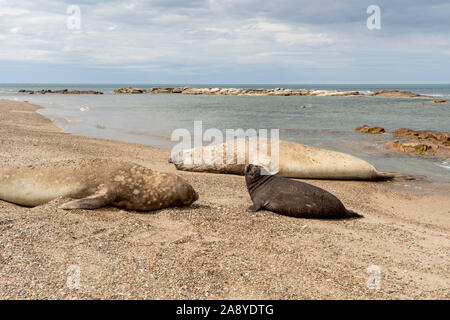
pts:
[370, 129]
[421, 142]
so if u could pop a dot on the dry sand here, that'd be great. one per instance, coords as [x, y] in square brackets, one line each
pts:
[214, 249]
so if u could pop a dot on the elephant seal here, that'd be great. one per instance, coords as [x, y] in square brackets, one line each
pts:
[95, 183]
[292, 198]
[294, 160]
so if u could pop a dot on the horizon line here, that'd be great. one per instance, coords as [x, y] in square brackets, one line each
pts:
[231, 83]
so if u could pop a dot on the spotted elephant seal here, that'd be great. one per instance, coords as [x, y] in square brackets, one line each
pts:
[292, 198]
[295, 160]
[95, 183]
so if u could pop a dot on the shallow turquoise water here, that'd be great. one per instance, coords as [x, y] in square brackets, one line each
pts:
[329, 122]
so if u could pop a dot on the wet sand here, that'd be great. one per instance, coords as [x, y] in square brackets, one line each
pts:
[214, 249]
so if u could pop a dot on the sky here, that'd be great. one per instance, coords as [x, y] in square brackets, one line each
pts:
[224, 41]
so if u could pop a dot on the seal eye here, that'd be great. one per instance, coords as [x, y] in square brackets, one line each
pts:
[248, 168]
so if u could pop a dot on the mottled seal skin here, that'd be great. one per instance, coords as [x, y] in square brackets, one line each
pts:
[292, 198]
[95, 183]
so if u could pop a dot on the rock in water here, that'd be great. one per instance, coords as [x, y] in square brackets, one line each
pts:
[421, 142]
[370, 129]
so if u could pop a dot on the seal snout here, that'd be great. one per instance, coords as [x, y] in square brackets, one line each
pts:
[190, 199]
[252, 171]
[176, 158]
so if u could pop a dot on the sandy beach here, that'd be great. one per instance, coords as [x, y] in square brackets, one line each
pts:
[215, 249]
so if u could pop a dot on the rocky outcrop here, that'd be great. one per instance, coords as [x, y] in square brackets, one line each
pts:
[64, 91]
[370, 129]
[130, 90]
[439, 101]
[431, 135]
[264, 92]
[271, 92]
[421, 142]
[397, 94]
[161, 90]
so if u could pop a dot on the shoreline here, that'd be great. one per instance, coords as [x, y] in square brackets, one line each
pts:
[214, 249]
[379, 150]
[427, 184]
[165, 143]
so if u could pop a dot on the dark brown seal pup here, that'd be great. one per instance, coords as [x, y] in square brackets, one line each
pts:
[292, 198]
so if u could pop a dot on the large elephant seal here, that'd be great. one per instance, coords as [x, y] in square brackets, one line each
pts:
[95, 183]
[292, 198]
[294, 160]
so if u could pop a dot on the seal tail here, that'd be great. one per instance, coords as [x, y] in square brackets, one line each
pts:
[353, 214]
[397, 176]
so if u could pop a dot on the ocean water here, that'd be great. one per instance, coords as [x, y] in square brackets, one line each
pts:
[329, 123]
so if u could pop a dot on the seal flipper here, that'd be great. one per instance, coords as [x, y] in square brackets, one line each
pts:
[97, 200]
[353, 214]
[257, 206]
[397, 176]
[254, 208]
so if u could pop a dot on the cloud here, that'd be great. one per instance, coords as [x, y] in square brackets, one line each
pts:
[12, 12]
[303, 38]
[199, 39]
